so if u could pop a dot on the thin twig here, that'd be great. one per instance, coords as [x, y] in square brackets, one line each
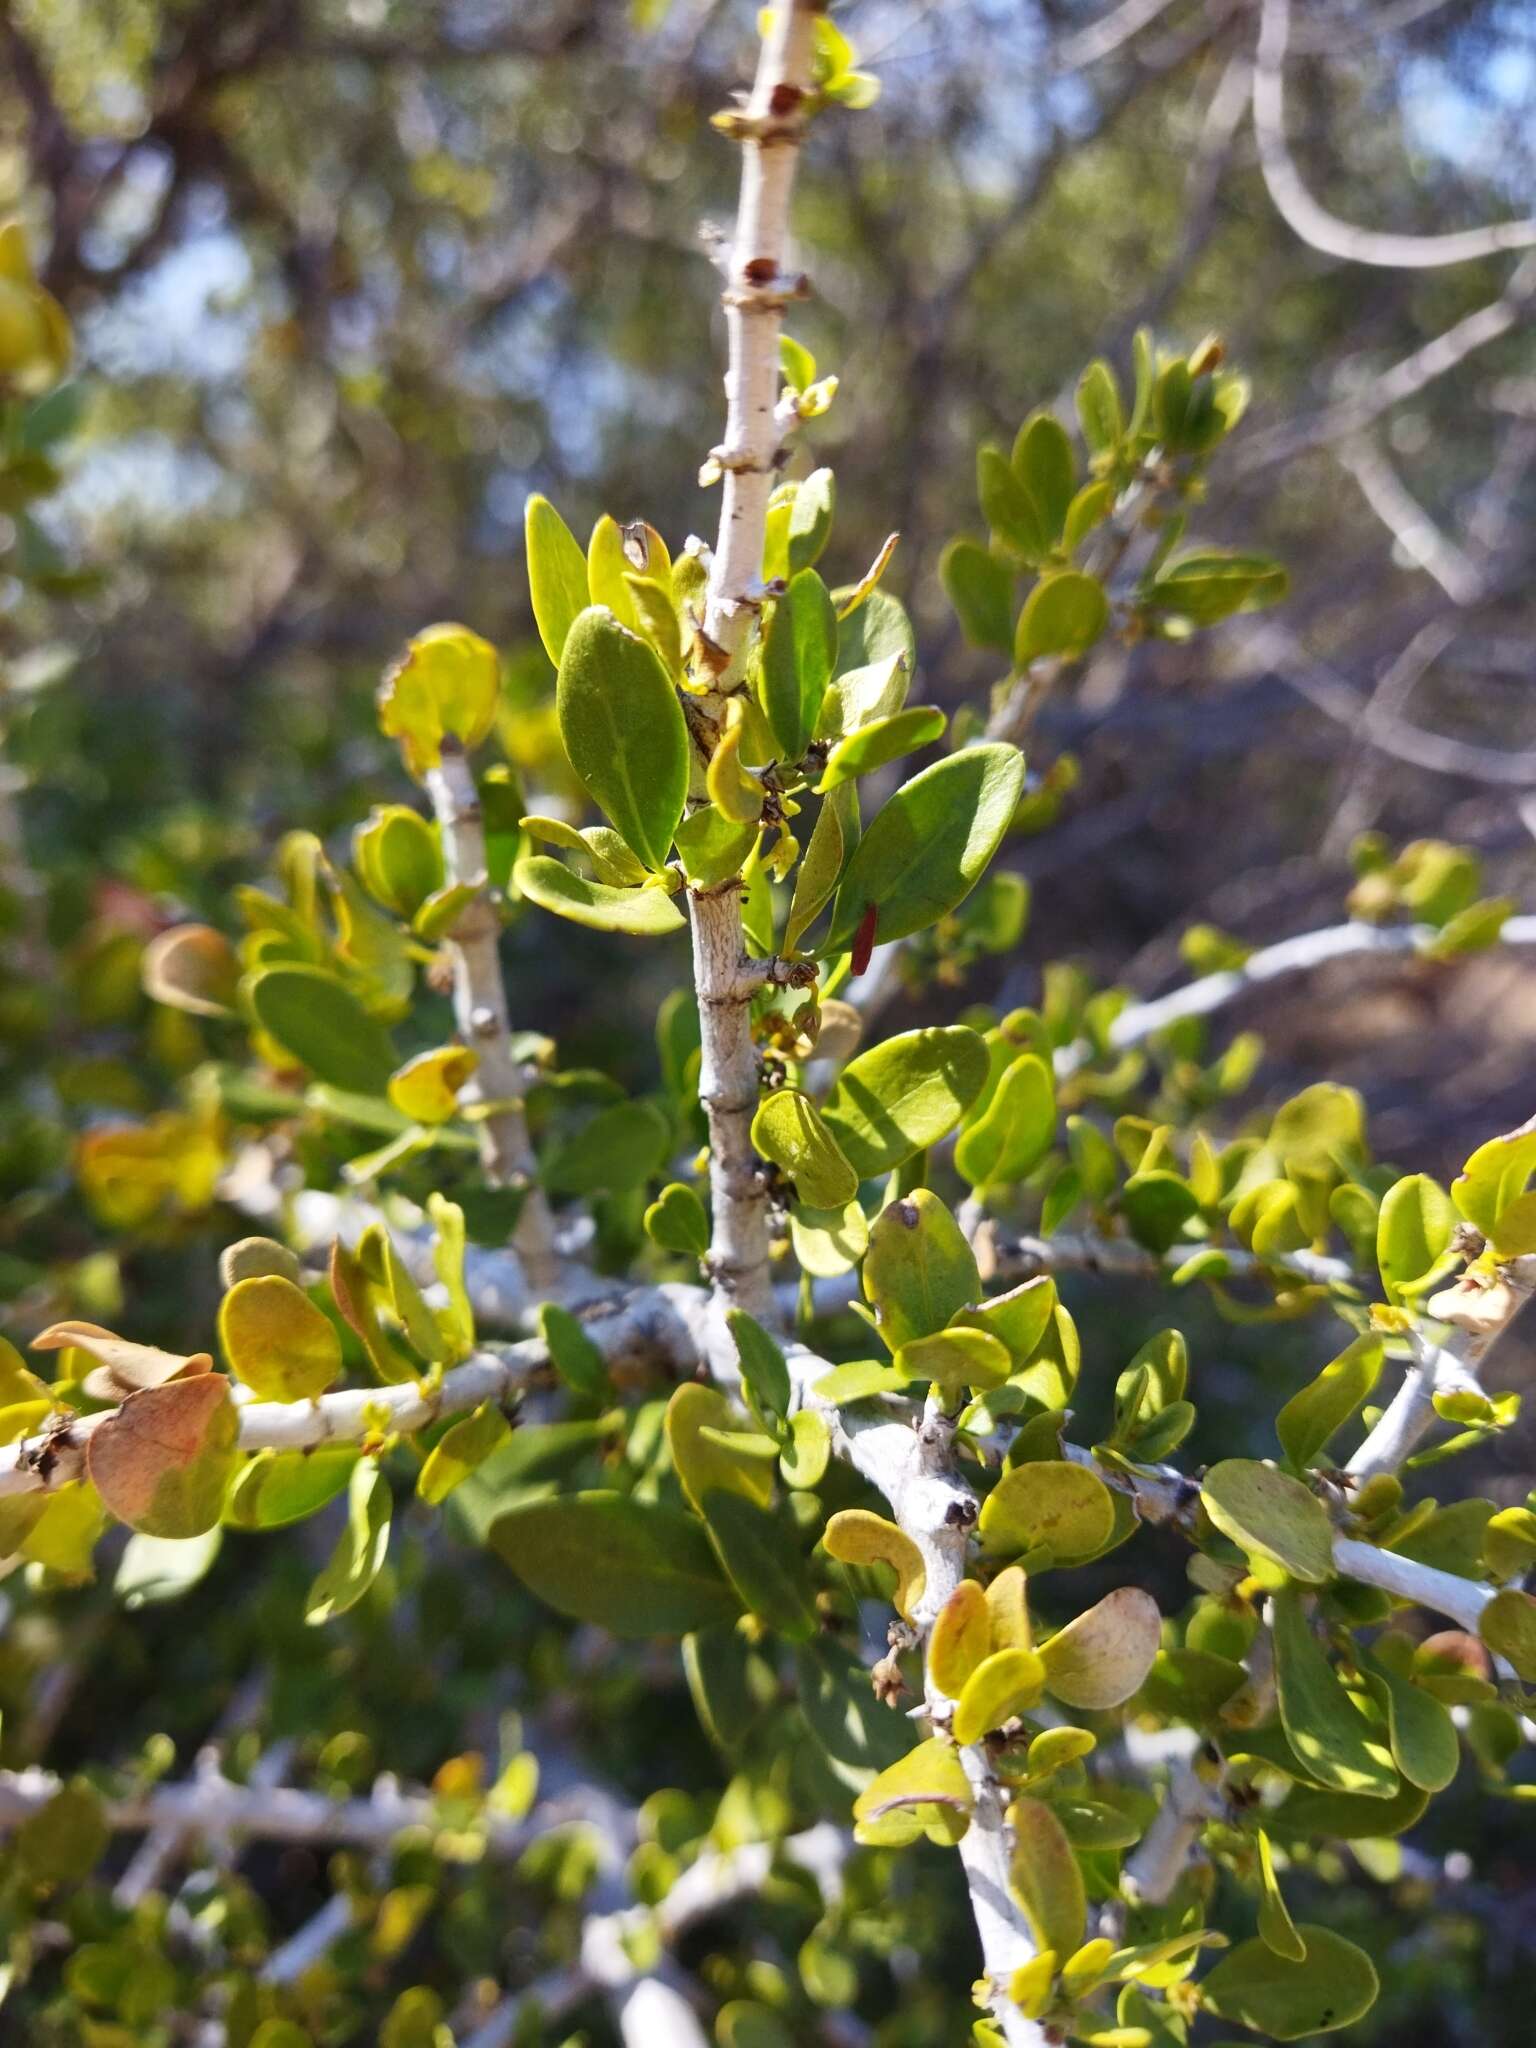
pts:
[496, 1089]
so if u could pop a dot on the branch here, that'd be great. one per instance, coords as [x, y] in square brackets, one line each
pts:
[661, 1324]
[1163, 1852]
[1376, 395]
[1410, 525]
[770, 129]
[1485, 1312]
[1299, 955]
[1328, 692]
[914, 1468]
[1087, 1251]
[480, 1011]
[213, 1805]
[1313, 223]
[1107, 34]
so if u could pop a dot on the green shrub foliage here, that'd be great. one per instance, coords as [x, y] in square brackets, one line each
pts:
[497, 1292]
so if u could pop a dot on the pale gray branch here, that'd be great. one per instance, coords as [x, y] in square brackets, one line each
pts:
[1313, 223]
[480, 1011]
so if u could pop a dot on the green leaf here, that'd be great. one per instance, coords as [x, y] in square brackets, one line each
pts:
[1423, 1735]
[957, 1360]
[646, 913]
[799, 656]
[623, 732]
[810, 519]
[631, 1566]
[1044, 462]
[462, 1447]
[1098, 408]
[806, 1451]
[762, 1363]
[573, 1354]
[859, 696]
[924, 1791]
[715, 1664]
[929, 845]
[1007, 507]
[876, 632]
[788, 1129]
[1016, 1129]
[1269, 1514]
[711, 1451]
[1064, 614]
[1065, 1508]
[277, 1342]
[827, 1242]
[678, 1221]
[919, 1269]
[903, 1095]
[1287, 2000]
[713, 847]
[608, 564]
[858, 1734]
[881, 740]
[1413, 1230]
[62, 1842]
[1209, 587]
[620, 1149]
[1045, 1879]
[1008, 1682]
[980, 588]
[1507, 1625]
[762, 1561]
[1277, 1930]
[315, 1017]
[557, 574]
[1310, 1419]
[1020, 1317]
[445, 686]
[1088, 510]
[359, 1554]
[1100, 1659]
[1493, 1180]
[833, 837]
[156, 1569]
[276, 1488]
[1331, 1737]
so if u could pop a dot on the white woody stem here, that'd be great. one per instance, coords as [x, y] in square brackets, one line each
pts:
[480, 1011]
[914, 1467]
[655, 1325]
[1299, 955]
[754, 296]
[728, 1089]
[1439, 1369]
[755, 291]
[1164, 1851]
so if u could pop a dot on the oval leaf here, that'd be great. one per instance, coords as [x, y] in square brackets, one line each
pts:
[623, 732]
[929, 845]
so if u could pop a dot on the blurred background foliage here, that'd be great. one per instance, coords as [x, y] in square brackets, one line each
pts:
[349, 279]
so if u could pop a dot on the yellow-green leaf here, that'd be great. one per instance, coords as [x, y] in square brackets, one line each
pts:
[788, 1129]
[856, 1536]
[1101, 1658]
[1064, 1508]
[1008, 1682]
[444, 686]
[277, 1342]
[1045, 1878]
[1272, 1515]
